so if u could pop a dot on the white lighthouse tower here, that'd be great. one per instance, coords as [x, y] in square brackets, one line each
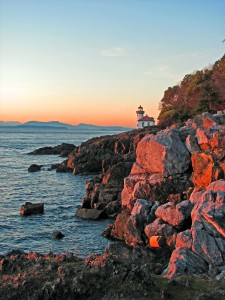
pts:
[140, 113]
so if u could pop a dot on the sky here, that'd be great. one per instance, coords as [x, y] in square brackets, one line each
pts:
[96, 61]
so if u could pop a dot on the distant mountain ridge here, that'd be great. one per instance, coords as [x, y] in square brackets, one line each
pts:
[60, 125]
[3, 123]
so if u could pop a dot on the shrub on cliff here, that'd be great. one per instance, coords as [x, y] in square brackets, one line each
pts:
[198, 92]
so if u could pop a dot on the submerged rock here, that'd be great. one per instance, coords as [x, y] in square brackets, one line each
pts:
[57, 235]
[34, 168]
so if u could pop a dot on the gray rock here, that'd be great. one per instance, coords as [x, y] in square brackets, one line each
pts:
[184, 239]
[192, 144]
[93, 213]
[141, 207]
[184, 261]
[220, 276]
[205, 245]
[175, 215]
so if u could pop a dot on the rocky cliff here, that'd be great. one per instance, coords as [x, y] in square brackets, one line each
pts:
[110, 159]
[174, 196]
[167, 189]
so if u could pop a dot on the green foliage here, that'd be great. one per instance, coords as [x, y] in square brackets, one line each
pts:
[198, 92]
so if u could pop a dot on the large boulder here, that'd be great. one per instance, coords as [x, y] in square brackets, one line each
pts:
[205, 169]
[175, 215]
[130, 226]
[134, 230]
[163, 153]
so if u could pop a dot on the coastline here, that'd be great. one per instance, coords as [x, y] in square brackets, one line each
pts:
[171, 201]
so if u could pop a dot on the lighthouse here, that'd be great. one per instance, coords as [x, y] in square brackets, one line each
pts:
[140, 113]
[143, 121]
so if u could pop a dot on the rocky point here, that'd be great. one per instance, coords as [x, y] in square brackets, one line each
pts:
[167, 191]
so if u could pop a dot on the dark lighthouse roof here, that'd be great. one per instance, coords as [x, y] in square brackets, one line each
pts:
[146, 118]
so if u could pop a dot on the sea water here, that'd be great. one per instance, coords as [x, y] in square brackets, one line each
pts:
[61, 193]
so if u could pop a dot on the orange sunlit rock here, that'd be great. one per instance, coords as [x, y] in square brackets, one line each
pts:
[203, 169]
[156, 241]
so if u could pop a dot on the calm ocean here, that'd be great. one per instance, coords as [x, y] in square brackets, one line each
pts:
[60, 192]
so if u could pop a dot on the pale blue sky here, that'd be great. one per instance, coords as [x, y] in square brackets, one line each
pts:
[93, 61]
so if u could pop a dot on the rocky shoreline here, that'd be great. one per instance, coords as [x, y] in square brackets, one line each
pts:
[166, 191]
[120, 273]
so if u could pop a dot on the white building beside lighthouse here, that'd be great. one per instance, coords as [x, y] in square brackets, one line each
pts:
[143, 121]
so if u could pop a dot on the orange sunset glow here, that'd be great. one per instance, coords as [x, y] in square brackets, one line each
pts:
[100, 62]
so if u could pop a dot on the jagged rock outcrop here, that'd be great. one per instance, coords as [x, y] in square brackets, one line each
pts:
[184, 261]
[161, 169]
[206, 237]
[63, 150]
[173, 195]
[168, 165]
[111, 158]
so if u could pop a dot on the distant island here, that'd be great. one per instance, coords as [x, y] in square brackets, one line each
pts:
[59, 125]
